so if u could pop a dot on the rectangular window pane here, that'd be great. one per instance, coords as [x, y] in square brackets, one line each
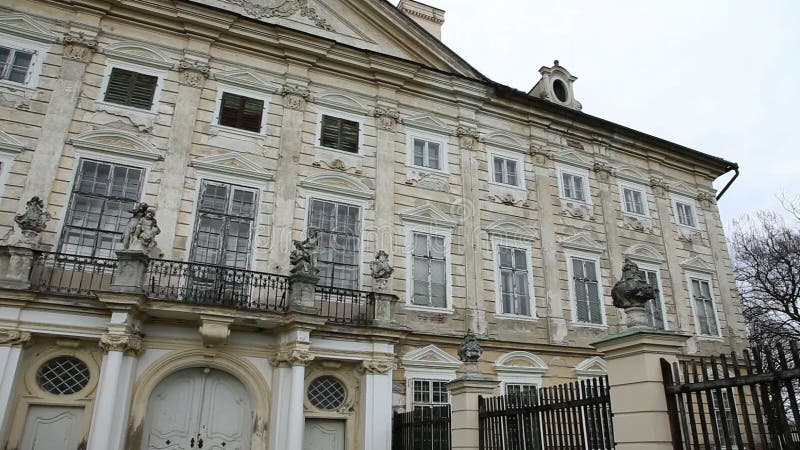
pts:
[634, 201]
[223, 233]
[419, 152]
[573, 186]
[587, 296]
[685, 215]
[338, 228]
[20, 66]
[433, 156]
[429, 270]
[511, 172]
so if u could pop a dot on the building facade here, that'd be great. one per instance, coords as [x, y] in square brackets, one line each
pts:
[439, 202]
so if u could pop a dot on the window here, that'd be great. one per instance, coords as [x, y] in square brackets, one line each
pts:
[429, 394]
[427, 153]
[129, 88]
[63, 375]
[239, 111]
[633, 200]
[102, 197]
[514, 281]
[520, 389]
[326, 393]
[16, 65]
[338, 227]
[340, 134]
[588, 308]
[429, 270]
[723, 411]
[684, 214]
[573, 186]
[505, 170]
[653, 308]
[704, 306]
[224, 226]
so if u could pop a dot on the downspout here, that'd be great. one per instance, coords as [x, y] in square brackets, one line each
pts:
[735, 168]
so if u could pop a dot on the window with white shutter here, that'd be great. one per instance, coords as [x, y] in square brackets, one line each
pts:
[588, 308]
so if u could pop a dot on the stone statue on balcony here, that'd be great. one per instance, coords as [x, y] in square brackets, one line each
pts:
[32, 222]
[631, 293]
[304, 256]
[141, 232]
[381, 270]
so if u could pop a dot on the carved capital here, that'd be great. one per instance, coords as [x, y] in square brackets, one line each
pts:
[706, 199]
[386, 117]
[377, 366]
[603, 170]
[193, 72]
[540, 154]
[660, 187]
[293, 357]
[128, 343]
[467, 137]
[78, 47]
[14, 337]
[295, 97]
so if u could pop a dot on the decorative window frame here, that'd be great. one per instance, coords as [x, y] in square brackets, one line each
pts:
[508, 374]
[654, 267]
[430, 229]
[584, 372]
[417, 368]
[439, 138]
[573, 170]
[250, 93]
[39, 50]
[10, 147]
[161, 74]
[491, 152]
[527, 246]
[322, 111]
[674, 200]
[708, 277]
[623, 184]
[570, 253]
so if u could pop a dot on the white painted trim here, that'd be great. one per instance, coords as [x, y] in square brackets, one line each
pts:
[409, 231]
[160, 74]
[622, 185]
[357, 189]
[215, 164]
[708, 278]
[572, 170]
[528, 249]
[416, 368]
[6, 160]
[569, 254]
[144, 150]
[583, 371]
[131, 52]
[39, 50]
[674, 199]
[342, 115]
[491, 152]
[440, 139]
[644, 265]
[508, 374]
[223, 88]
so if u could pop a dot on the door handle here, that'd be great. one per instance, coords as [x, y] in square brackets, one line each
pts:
[191, 443]
[200, 443]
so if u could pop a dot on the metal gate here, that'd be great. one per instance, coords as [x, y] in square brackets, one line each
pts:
[422, 429]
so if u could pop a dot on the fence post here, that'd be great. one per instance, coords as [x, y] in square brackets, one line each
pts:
[464, 393]
[641, 415]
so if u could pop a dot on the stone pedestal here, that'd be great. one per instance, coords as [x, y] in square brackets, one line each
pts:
[641, 420]
[384, 305]
[464, 393]
[301, 292]
[15, 267]
[130, 274]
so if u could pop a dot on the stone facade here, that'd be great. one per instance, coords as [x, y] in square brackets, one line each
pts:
[367, 63]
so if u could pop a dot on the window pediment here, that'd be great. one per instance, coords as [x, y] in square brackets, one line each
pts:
[512, 229]
[10, 144]
[697, 264]
[582, 241]
[22, 25]
[429, 214]
[231, 164]
[247, 79]
[340, 184]
[591, 367]
[520, 362]
[506, 141]
[139, 53]
[572, 158]
[342, 102]
[430, 356]
[427, 122]
[632, 174]
[117, 142]
[644, 252]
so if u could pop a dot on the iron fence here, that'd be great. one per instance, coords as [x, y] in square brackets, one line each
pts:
[572, 416]
[72, 275]
[208, 284]
[747, 402]
[345, 306]
[425, 428]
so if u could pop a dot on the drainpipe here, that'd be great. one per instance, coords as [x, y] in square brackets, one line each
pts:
[735, 168]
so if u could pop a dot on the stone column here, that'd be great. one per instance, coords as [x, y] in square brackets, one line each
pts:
[11, 343]
[638, 402]
[291, 143]
[377, 404]
[193, 73]
[464, 393]
[112, 402]
[281, 388]
[78, 51]
[295, 426]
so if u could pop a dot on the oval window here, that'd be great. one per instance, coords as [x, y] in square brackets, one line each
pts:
[326, 393]
[560, 90]
[63, 375]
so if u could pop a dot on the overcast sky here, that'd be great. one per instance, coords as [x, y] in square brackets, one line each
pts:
[719, 76]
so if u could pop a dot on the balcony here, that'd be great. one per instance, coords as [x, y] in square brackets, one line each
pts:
[198, 284]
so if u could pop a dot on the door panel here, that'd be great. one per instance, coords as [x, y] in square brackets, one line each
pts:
[52, 428]
[173, 411]
[323, 434]
[226, 414]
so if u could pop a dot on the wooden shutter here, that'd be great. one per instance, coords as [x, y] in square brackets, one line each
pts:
[241, 112]
[339, 133]
[130, 88]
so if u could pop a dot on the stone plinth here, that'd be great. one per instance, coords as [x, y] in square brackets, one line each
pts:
[641, 420]
[130, 274]
[464, 393]
[301, 292]
[15, 267]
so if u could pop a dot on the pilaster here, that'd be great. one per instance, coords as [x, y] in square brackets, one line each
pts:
[387, 119]
[11, 345]
[377, 403]
[608, 191]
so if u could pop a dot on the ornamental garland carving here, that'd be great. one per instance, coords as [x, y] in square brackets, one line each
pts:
[283, 9]
[14, 337]
[377, 366]
[293, 357]
[78, 46]
[121, 343]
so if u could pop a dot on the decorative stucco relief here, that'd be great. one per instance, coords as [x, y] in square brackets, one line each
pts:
[577, 210]
[640, 224]
[265, 9]
[427, 180]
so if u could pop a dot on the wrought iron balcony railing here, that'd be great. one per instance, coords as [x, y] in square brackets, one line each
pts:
[345, 306]
[72, 275]
[207, 284]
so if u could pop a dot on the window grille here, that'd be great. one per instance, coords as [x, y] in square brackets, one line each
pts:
[64, 375]
[326, 393]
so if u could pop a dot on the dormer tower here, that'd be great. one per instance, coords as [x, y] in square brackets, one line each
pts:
[556, 85]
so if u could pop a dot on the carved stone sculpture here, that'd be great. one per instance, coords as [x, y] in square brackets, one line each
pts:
[141, 232]
[470, 350]
[381, 270]
[631, 293]
[304, 256]
[30, 224]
